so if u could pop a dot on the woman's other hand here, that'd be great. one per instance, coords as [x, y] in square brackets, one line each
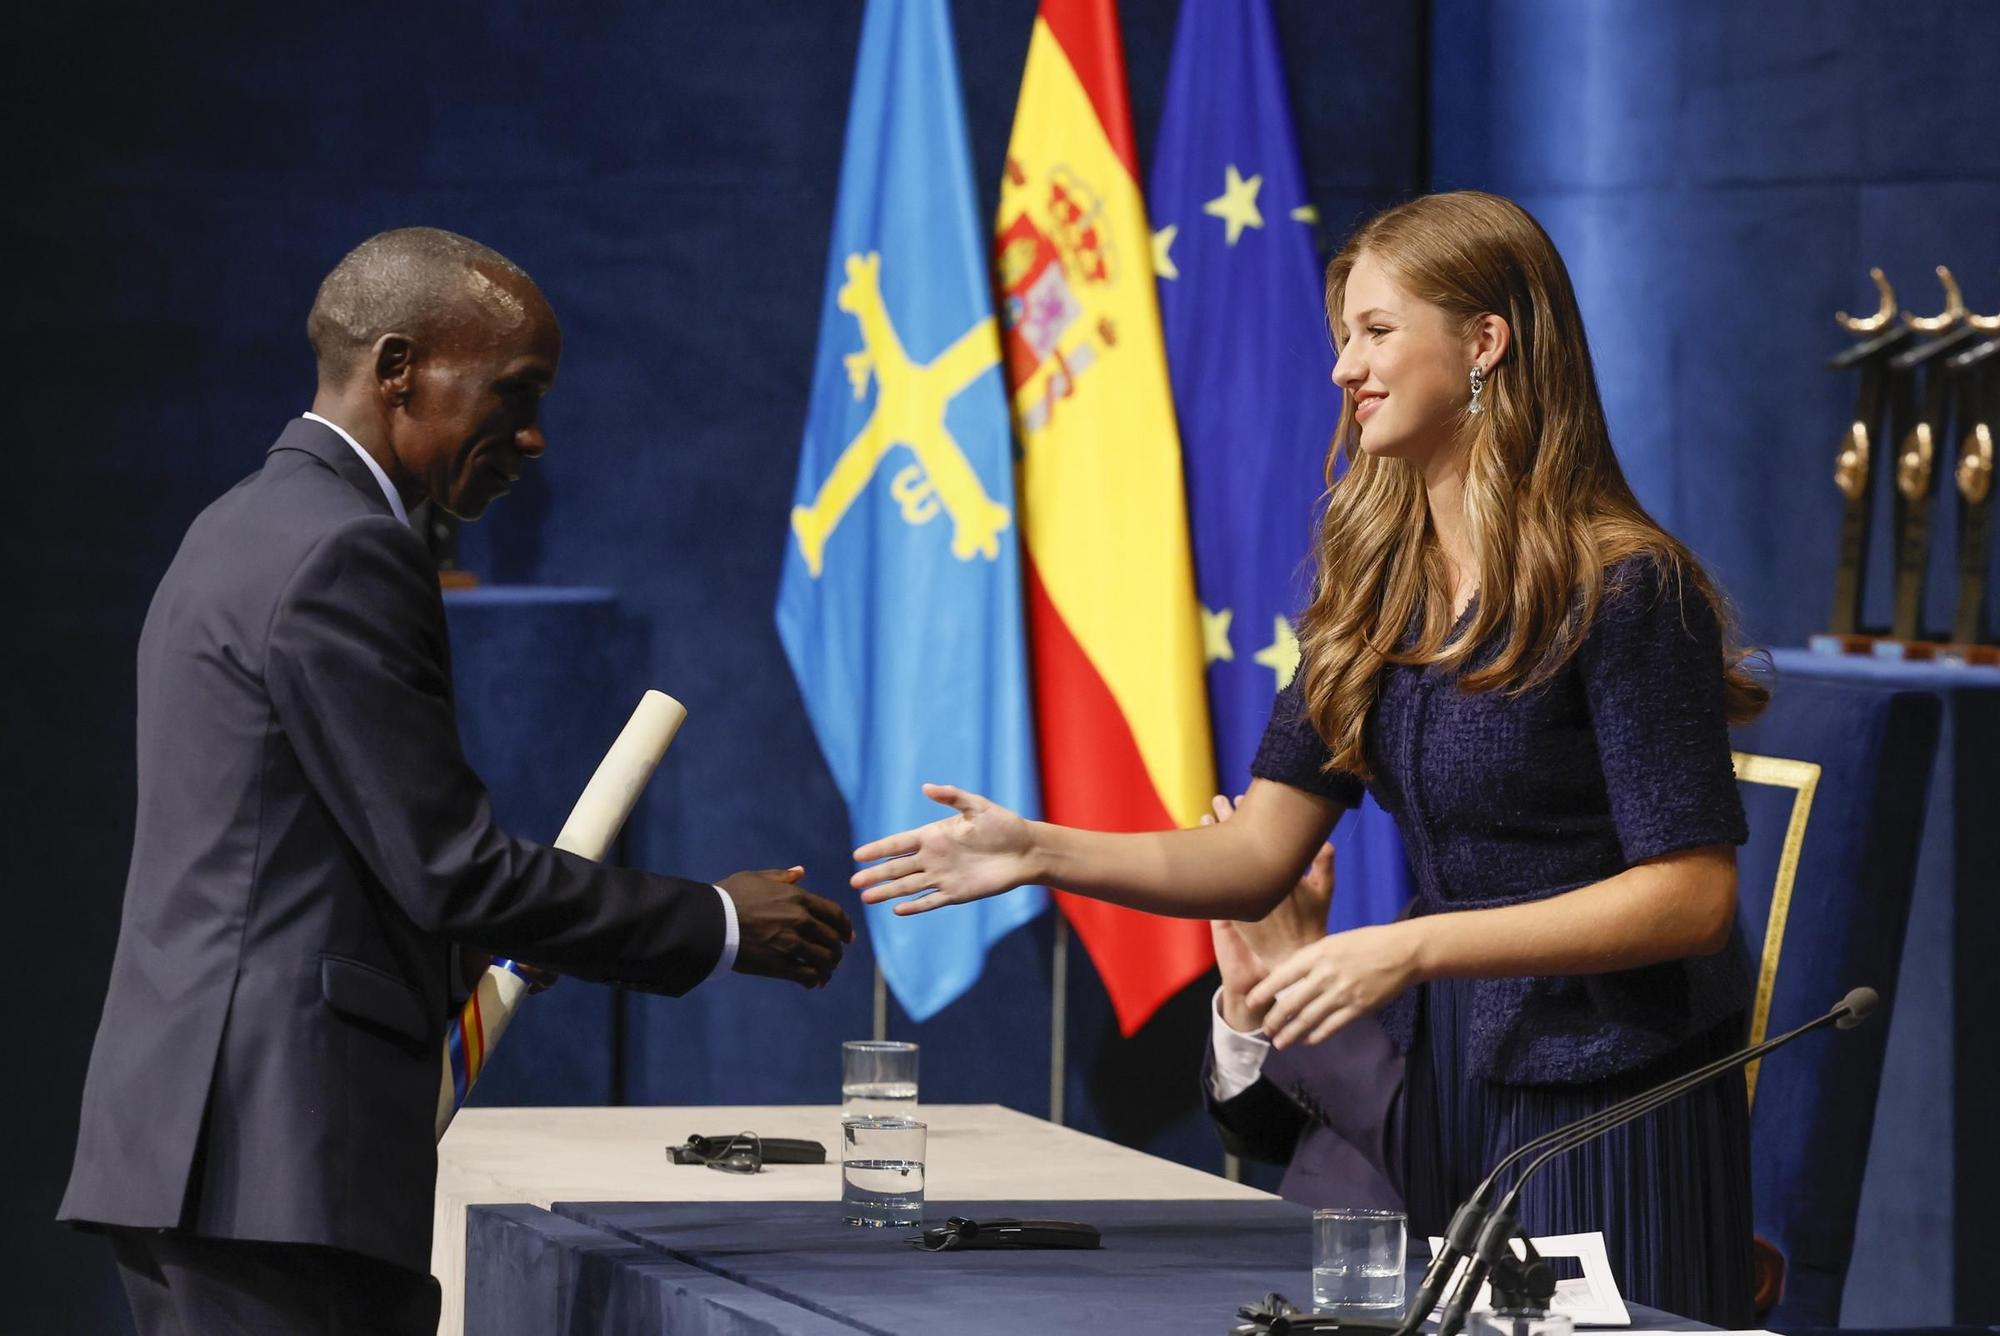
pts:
[982, 850]
[1336, 981]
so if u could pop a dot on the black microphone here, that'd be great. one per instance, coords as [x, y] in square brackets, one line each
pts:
[1480, 1232]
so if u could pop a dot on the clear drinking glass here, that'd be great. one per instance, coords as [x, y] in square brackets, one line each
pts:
[882, 1171]
[878, 1078]
[1358, 1260]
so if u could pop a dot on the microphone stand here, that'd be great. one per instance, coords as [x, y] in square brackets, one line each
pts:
[1461, 1238]
[1493, 1230]
[1480, 1232]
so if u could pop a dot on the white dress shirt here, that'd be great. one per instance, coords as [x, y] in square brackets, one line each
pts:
[1239, 1056]
[730, 936]
[381, 478]
[731, 933]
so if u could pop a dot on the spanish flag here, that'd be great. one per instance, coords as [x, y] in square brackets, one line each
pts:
[1114, 630]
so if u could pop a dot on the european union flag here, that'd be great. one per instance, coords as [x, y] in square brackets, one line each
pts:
[900, 604]
[1247, 348]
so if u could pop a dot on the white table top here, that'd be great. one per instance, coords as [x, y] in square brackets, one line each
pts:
[974, 1152]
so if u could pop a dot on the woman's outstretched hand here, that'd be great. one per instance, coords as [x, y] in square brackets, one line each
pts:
[980, 851]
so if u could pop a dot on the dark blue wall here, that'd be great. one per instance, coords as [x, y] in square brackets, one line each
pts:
[1719, 176]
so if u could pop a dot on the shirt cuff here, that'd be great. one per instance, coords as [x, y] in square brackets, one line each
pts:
[1239, 1057]
[731, 936]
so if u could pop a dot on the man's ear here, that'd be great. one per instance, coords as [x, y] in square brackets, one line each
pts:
[395, 368]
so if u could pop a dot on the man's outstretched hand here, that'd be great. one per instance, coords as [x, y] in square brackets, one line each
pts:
[784, 931]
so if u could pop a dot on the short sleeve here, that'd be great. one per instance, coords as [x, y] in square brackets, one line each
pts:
[1652, 675]
[1292, 753]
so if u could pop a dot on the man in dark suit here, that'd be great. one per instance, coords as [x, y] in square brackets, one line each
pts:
[1323, 1111]
[311, 845]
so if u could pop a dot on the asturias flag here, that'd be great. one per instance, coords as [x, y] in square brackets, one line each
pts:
[1246, 334]
[900, 603]
[1114, 630]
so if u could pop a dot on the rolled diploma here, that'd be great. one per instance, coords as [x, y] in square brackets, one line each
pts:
[593, 825]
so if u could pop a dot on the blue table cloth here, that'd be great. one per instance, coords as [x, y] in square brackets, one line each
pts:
[1172, 1268]
[1927, 1236]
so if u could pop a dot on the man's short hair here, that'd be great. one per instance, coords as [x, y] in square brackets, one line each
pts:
[410, 280]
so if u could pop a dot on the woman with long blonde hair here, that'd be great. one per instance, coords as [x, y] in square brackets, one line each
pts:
[1536, 680]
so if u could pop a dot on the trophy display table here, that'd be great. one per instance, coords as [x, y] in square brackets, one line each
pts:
[1925, 1238]
[974, 1152]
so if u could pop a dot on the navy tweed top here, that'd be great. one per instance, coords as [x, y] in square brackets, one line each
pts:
[1622, 757]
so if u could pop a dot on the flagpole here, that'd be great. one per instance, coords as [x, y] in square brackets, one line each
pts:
[1058, 1017]
[881, 1004]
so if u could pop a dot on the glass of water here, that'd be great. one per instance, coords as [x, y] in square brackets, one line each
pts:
[878, 1077]
[1358, 1259]
[1519, 1323]
[882, 1171]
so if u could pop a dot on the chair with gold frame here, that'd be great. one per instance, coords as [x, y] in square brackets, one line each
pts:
[1834, 780]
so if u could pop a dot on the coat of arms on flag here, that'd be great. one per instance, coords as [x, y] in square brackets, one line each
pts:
[1114, 630]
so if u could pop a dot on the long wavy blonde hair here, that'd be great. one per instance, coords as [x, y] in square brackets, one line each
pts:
[1547, 508]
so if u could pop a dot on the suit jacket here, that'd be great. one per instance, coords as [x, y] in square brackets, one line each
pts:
[1327, 1112]
[309, 844]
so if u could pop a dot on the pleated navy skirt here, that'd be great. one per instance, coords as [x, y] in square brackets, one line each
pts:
[1670, 1192]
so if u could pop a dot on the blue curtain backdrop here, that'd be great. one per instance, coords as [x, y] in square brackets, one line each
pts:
[1719, 176]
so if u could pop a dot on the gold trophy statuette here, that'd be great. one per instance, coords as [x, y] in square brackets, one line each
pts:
[1879, 336]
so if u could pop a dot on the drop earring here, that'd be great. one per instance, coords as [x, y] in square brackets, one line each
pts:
[1478, 385]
